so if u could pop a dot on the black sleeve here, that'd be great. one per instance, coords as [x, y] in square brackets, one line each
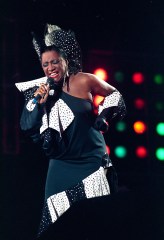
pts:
[31, 121]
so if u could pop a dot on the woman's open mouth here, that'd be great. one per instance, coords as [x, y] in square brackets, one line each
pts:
[54, 75]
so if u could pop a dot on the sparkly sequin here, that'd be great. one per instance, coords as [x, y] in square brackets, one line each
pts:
[30, 105]
[94, 185]
[59, 117]
[75, 194]
[45, 221]
[114, 99]
[29, 94]
[64, 40]
[60, 111]
[23, 86]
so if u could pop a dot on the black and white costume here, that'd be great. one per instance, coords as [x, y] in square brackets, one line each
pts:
[70, 133]
[76, 150]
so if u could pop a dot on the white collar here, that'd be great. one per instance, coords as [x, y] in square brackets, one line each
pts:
[23, 86]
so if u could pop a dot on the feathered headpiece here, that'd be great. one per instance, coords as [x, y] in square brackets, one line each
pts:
[64, 40]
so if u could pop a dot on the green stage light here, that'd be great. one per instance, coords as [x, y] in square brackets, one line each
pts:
[120, 151]
[160, 154]
[120, 126]
[158, 79]
[159, 106]
[160, 128]
[119, 76]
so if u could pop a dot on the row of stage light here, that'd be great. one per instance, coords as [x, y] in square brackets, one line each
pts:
[139, 127]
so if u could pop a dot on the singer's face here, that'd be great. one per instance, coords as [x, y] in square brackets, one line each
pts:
[53, 65]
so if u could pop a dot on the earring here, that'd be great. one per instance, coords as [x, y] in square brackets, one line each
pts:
[64, 81]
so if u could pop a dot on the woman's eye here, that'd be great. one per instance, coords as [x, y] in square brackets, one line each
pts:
[45, 64]
[55, 61]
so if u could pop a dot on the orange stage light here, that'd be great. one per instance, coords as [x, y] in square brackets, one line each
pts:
[101, 73]
[139, 127]
[97, 100]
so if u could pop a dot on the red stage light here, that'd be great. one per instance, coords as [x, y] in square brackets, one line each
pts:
[138, 78]
[139, 103]
[141, 152]
[101, 73]
[108, 149]
[139, 127]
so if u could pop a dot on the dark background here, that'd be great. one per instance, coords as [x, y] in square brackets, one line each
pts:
[127, 35]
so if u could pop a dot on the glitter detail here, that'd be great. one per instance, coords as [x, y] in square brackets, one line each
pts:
[23, 86]
[60, 117]
[29, 94]
[58, 204]
[94, 185]
[45, 221]
[76, 193]
[30, 105]
[110, 101]
[44, 123]
[64, 40]
[106, 161]
[114, 99]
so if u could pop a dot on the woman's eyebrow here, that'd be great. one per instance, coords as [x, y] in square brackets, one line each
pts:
[53, 60]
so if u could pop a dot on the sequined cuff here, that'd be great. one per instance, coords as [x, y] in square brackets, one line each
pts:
[113, 101]
[30, 106]
[110, 101]
[106, 161]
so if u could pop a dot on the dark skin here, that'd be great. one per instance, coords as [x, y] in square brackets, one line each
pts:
[82, 85]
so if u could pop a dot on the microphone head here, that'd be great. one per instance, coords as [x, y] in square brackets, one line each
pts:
[57, 86]
[50, 82]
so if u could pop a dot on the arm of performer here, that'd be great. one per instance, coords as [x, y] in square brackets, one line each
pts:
[113, 104]
[31, 118]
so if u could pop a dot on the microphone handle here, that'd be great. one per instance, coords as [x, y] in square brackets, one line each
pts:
[50, 82]
[35, 99]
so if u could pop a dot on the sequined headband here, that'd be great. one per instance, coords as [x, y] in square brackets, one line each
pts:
[64, 40]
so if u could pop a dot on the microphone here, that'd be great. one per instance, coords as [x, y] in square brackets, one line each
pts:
[50, 82]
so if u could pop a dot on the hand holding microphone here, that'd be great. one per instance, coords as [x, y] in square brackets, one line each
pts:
[41, 95]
